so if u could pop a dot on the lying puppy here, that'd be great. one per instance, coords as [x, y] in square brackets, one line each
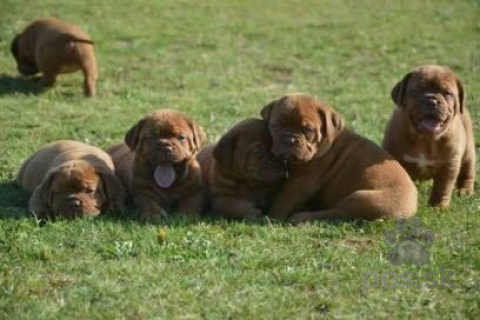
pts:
[240, 173]
[158, 164]
[71, 179]
[333, 172]
[430, 132]
[53, 47]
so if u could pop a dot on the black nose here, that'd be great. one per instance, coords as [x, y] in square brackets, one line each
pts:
[291, 141]
[74, 203]
[431, 103]
[167, 149]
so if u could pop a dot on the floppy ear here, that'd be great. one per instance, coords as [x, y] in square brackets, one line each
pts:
[462, 96]
[113, 190]
[14, 46]
[333, 123]
[41, 199]
[267, 110]
[199, 135]
[132, 138]
[224, 150]
[400, 90]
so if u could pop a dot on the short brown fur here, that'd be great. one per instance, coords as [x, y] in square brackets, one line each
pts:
[445, 151]
[333, 172]
[240, 173]
[54, 47]
[163, 137]
[71, 179]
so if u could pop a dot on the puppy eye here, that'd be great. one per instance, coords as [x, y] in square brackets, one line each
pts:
[182, 137]
[449, 93]
[90, 191]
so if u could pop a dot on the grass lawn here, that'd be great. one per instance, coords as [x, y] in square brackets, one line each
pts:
[221, 61]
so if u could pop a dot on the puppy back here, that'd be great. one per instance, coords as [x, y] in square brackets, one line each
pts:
[35, 168]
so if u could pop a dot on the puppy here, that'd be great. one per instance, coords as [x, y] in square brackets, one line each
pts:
[54, 47]
[240, 173]
[71, 179]
[430, 131]
[333, 172]
[158, 164]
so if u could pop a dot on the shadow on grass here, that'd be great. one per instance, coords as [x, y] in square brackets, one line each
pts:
[19, 85]
[13, 201]
[14, 205]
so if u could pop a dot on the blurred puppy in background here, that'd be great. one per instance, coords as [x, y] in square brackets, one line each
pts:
[54, 47]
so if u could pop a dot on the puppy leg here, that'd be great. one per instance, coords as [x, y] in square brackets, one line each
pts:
[466, 177]
[48, 79]
[90, 75]
[443, 183]
[150, 210]
[235, 208]
[289, 200]
[366, 205]
[192, 206]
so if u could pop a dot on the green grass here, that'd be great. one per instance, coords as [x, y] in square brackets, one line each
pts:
[221, 61]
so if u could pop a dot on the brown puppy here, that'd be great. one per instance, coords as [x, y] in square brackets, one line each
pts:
[240, 173]
[158, 164]
[53, 47]
[430, 132]
[333, 172]
[71, 179]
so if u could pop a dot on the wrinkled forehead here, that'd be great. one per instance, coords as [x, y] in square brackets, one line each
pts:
[434, 78]
[75, 177]
[297, 113]
[168, 124]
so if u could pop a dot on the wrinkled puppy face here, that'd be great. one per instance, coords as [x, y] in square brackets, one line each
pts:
[431, 96]
[301, 127]
[246, 149]
[24, 66]
[75, 191]
[164, 142]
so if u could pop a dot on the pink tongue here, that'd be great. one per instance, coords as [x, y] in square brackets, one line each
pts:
[431, 124]
[164, 175]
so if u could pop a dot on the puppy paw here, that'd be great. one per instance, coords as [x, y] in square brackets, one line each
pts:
[466, 191]
[154, 216]
[439, 203]
[300, 218]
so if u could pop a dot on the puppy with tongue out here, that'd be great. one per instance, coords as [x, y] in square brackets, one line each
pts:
[158, 163]
[430, 131]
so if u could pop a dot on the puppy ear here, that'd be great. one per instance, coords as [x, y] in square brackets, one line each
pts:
[224, 150]
[267, 110]
[400, 90]
[333, 123]
[132, 138]
[113, 190]
[14, 46]
[41, 199]
[199, 135]
[462, 96]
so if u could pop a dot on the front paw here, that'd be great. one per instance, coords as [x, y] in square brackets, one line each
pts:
[466, 191]
[300, 218]
[439, 203]
[153, 215]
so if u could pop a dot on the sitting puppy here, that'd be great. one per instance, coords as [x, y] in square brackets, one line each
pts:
[430, 132]
[240, 173]
[158, 164]
[333, 172]
[53, 47]
[71, 179]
